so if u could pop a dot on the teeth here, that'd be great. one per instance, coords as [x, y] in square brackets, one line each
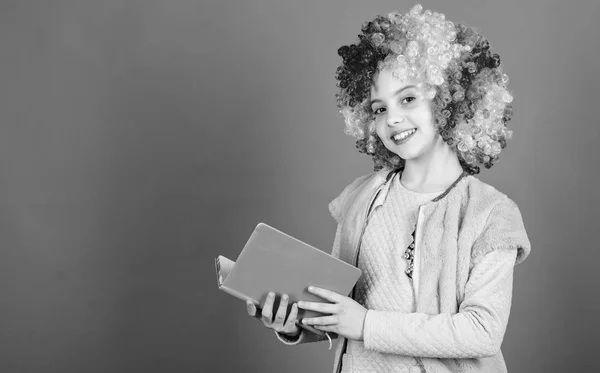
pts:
[403, 135]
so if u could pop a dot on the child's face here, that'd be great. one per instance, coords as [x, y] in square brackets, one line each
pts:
[403, 116]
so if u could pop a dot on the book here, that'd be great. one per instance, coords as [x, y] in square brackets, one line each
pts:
[275, 261]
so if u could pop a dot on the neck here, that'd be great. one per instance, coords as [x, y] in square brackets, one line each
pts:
[434, 171]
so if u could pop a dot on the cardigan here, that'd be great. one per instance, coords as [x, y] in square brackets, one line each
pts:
[385, 284]
[462, 305]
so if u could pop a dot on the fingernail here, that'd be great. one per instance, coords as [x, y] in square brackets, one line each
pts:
[300, 304]
[284, 297]
[311, 288]
[271, 295]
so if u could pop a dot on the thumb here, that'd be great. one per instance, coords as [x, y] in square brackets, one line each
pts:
[251, 308]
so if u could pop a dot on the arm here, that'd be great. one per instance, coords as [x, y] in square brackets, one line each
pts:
[476, 330]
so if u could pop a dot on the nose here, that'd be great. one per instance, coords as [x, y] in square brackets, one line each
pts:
[394, 118]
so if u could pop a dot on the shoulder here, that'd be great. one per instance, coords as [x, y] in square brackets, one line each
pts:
[355, 188]
[482, 193]
[480, 199]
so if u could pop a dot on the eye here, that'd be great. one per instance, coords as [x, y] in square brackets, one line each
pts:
[378, 110]
[408, 99]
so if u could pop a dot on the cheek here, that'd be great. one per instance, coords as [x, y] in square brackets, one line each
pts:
[427, 122]
[380, 129]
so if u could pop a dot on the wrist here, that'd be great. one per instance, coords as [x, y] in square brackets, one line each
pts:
[363, 325]
[293, 334]
[289, 338]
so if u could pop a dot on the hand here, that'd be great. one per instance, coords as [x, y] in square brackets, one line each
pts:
[279, 324]
[347, 316]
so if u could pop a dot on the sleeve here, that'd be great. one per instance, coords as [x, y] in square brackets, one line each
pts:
[477, 330]
[338, 205]
[504, 228]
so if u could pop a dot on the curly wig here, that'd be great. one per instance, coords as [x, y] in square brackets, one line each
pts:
[461, 76]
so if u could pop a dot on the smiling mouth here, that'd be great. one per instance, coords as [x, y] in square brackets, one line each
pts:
[401, 137]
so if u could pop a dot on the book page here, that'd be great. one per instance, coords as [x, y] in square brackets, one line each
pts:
[223, 267]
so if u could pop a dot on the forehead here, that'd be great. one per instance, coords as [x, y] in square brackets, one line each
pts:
[384, 83]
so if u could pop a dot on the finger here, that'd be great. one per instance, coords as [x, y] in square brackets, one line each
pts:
[331, 296]
[319, 307]
[267, 310]
[251, 308]
[281, 312]
[292, 317]
[325, 320]
[327, 328]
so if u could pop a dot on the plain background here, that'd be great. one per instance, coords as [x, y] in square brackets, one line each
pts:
[140, 139]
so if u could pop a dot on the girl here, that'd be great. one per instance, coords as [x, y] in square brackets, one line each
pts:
[427, 100]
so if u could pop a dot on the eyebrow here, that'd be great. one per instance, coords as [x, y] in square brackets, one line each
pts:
[395, 94]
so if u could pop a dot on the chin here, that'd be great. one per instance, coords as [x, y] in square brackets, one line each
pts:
[406, 154]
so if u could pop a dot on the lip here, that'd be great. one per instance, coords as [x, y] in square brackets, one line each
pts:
[399, 142]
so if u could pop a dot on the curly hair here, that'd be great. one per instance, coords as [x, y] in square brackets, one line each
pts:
[462, 76]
